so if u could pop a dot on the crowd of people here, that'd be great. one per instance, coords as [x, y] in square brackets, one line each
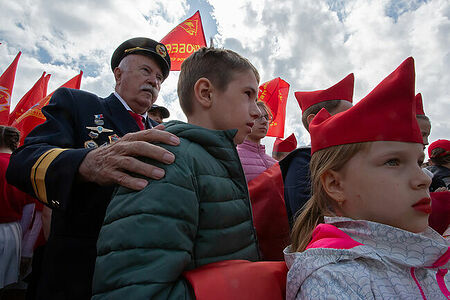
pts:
[119, 206]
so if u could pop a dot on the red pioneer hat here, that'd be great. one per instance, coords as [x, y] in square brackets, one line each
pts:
[343, 90]
[286, 145]
[419, 105]
[387, 113]
[444, 144]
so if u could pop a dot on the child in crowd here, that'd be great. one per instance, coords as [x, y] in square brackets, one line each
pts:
[16, 210]
[281, 148]
[422, 120]
[439, 153]
[364, 233]
[295, 167]
[199, 212]
[251, 152]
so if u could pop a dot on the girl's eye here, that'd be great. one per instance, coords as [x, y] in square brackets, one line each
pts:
[392, 162]
[248, 93]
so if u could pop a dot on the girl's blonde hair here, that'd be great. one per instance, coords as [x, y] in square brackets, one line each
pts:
[319, 205]
[263, 105]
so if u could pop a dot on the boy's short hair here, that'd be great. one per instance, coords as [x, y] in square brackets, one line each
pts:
[215, 64]
[329, 105]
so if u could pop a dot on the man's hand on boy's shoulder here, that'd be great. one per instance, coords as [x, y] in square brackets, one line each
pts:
[113, 163]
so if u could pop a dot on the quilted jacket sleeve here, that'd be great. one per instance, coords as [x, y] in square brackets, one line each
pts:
[146, 241]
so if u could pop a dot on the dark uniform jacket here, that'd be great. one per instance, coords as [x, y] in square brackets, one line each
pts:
[46, 167]
[197, 214]
[297, 180]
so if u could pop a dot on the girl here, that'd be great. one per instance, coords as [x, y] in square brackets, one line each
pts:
[364, 233]
[252, 154]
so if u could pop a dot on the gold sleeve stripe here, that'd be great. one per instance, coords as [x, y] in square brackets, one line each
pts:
[39, 171]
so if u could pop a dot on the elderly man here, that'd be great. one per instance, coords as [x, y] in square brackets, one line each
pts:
[86, 146]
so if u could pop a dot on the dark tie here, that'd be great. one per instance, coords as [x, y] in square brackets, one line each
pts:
[139, 119]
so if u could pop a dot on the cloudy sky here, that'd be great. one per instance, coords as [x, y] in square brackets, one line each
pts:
[312, 44]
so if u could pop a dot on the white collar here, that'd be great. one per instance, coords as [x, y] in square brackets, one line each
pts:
[127, 107]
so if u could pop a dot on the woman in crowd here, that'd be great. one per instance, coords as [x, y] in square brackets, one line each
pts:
[251, 152]
[13, 204]
[364, 233]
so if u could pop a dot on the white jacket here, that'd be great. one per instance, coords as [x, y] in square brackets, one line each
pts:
[356, 259]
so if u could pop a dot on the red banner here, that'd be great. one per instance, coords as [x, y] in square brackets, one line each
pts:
[6, 87]
[33, 116]
[275, 93]
[239, 280]
[36, 93]
[269, 212]
[184, 39]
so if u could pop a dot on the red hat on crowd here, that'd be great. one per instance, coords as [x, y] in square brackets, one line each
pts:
[444, 144]
[387, 113]
[287, 145]
[343, 90]
[419, 105]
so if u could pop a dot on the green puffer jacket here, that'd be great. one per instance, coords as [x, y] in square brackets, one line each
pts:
[197, 214]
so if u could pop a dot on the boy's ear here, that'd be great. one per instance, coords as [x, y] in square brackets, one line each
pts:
[202, 92]
[309, 118]
[332, 183]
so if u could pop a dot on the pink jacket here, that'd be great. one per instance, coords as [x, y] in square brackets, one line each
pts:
[254, 159]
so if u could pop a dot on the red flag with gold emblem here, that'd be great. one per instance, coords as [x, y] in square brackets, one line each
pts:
[36, 93]
[33, 116]
[6, 86]
[275, 93]
[184, 39]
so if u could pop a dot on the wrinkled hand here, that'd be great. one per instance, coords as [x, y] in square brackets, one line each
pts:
[111, 164]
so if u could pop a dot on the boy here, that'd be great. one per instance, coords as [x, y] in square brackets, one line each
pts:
[199, 212]
[295, 167]
[422, 120]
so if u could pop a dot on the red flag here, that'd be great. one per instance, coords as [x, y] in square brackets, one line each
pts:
[6, 86]
[184, 39]
[269, 212]
[36, 93]
[275, 93]
[239, 280]
[33, 116]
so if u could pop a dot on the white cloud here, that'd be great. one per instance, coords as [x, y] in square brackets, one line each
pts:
[314, 44]
[310, 44]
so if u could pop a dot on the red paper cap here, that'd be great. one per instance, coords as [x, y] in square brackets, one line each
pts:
[387, 113]
[419, 105]
[343, 90]
[444, 144]
[286, 145]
